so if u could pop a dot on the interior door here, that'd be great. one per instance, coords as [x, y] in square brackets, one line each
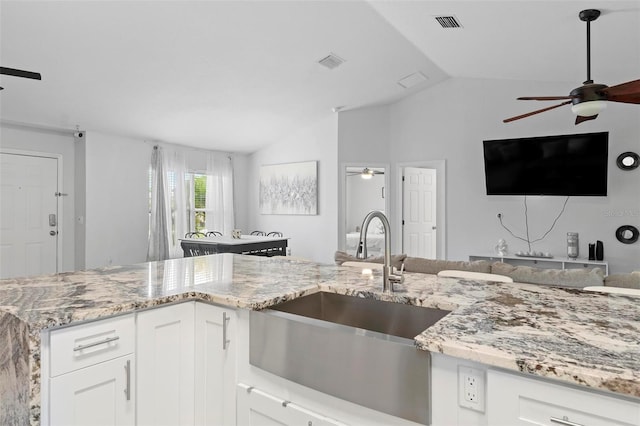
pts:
[28, 215]
[419, 233]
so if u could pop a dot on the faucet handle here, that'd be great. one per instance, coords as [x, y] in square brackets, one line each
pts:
[397, 278]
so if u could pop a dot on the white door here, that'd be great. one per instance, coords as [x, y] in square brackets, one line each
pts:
[28, 215]
[165, 360]
[215, 381]
[102, 394]
[419, 233]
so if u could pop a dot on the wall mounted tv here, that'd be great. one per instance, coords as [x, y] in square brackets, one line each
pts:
[548, 165]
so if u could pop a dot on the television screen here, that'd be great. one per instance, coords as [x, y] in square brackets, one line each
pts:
[548, 165]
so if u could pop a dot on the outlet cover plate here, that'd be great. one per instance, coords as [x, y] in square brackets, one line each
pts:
[471, 388]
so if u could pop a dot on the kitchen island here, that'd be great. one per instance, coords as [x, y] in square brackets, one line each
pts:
[586, 339]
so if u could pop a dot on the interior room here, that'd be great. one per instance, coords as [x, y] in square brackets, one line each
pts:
[309, 133]
[126, 92]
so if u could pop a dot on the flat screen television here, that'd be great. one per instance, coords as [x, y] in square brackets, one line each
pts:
[548, 165]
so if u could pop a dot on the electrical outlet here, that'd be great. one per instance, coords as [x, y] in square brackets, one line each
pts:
[471, 390]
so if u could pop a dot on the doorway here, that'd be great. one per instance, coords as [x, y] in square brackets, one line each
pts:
[422, 209]
[29, 217]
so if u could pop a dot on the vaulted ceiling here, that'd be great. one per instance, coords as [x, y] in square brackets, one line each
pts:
[238, 75]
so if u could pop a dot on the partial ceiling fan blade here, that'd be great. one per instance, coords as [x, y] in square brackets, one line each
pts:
[518, 117]
[628, 88]
[545, 98]
[628, 92]
[20, 73]
[580, 119]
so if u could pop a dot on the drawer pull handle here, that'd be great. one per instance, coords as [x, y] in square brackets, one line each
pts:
[101, 342]
[564, 421]
[127, 390]
[225, 341]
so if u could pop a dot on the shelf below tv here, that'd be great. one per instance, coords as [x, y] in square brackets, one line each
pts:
[546, 262]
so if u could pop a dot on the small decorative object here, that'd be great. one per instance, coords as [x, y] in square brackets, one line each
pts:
[236, 233]
[502, 248]
[627, 234]
[572, 244]
[599, 250]
[592, 252]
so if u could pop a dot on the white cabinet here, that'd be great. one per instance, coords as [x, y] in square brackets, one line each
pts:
[172, 365]
[517, 400]
[88, 374]
[259, 408]
[165, 374]
[215, 365]
[98, 395]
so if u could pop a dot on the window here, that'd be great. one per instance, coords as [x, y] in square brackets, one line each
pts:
[197, 201]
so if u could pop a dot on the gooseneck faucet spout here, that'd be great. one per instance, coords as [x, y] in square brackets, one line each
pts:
[388, 277]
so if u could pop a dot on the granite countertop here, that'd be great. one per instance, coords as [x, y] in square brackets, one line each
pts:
[584, 338]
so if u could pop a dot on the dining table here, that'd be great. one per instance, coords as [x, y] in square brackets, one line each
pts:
[247, 244]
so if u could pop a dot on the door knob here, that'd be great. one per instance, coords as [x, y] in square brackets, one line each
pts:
[433, 227]
[53, 233]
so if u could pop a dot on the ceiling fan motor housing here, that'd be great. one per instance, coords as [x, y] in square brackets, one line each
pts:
[587, 93]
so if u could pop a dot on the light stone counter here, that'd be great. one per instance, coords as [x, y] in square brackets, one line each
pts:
[588, 339]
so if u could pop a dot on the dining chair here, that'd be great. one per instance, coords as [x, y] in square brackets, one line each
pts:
[194, 234]
[214, 234]
[260, 233]
[475, 276]
[274, 234]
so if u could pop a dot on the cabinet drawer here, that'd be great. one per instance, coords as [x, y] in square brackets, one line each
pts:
[515, 400]
[88, 344]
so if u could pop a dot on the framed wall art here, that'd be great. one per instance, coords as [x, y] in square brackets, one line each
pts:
[290, 188]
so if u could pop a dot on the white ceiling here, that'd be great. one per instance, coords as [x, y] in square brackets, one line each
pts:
[238, 75]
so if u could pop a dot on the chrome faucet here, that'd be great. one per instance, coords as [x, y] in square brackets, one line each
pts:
[388, 277]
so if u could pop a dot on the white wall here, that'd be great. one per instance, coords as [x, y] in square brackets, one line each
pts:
[311, 237]
[117, 200]
[450, 121]
[54, 142]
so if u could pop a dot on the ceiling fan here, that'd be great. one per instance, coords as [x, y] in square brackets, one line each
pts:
[589, 99]
[20, 73]
[365, 173]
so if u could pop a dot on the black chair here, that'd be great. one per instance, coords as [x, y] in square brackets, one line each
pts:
[195, 234]
[274, 234]
[260, 233]
[214, 234]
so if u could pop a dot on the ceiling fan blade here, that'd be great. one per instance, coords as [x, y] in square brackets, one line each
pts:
[544, 98]
[628, 88]
[628, 92]
[20, 73]
[518, 117]
[580, 119]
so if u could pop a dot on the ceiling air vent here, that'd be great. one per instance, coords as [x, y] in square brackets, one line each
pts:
[332, 61]
[448, 21]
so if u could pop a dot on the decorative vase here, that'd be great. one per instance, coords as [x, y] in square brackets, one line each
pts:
[572, 244]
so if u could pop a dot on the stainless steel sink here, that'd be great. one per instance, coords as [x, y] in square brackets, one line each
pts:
[357, 349]
[395, 319]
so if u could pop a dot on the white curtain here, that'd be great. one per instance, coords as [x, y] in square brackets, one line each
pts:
[176, 199]
[219, 201]
[158, 237]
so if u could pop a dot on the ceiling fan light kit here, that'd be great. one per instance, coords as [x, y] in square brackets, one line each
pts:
[589, 108]
[367, 174]
[589, 99]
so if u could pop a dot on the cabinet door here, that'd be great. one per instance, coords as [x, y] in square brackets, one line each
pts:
[102, 394]
[259, 408]
[165, 376]
[215, 359]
